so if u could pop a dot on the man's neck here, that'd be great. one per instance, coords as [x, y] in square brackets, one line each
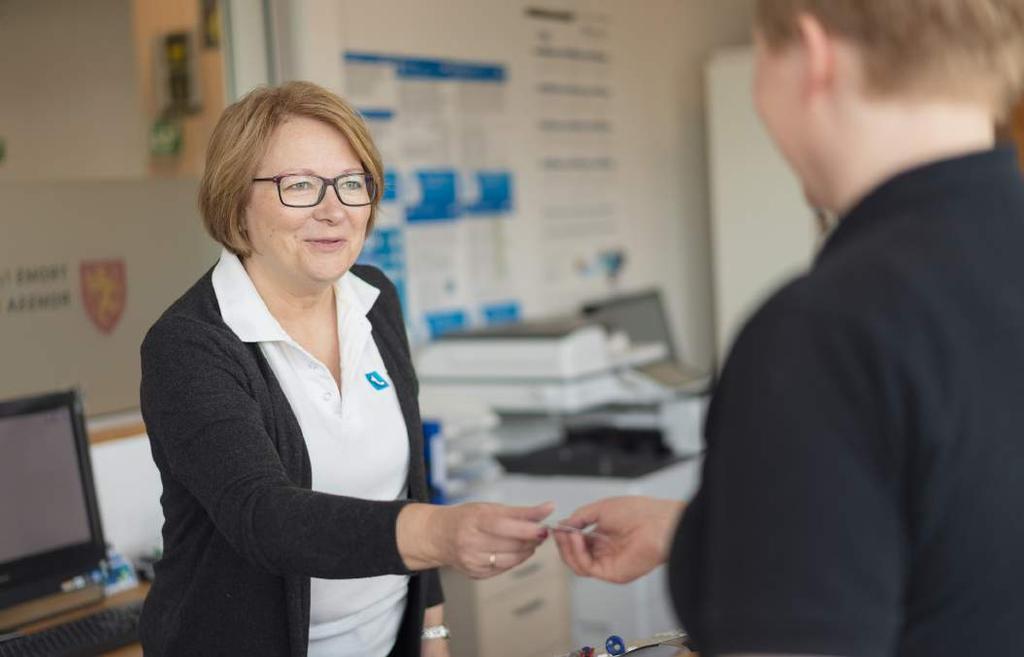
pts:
[889, 138]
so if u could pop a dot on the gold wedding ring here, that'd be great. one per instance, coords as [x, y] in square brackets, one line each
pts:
[492, 560]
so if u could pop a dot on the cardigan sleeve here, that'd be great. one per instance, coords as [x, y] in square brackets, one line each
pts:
[393, 313]
[432, 581]
[431, 578]
[207, 433]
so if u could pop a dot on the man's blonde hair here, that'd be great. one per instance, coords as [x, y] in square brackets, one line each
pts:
[241, 138]
[941, 49]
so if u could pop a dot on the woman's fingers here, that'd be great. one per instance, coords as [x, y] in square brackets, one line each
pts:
[529, 513]
[511, 534]
[514, 528]
[509, 560]
[485, 566]
[488, 544]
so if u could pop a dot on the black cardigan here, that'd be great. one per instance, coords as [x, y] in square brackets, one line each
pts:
[243, 532]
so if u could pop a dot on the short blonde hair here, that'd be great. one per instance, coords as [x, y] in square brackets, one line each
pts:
[949, 49]
[241, 138]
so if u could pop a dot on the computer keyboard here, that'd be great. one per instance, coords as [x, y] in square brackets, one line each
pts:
[91, 635]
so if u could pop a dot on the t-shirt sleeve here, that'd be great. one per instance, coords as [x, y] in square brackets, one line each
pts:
[795, 543]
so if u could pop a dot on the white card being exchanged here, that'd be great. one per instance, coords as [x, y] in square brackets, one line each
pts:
[586, 531]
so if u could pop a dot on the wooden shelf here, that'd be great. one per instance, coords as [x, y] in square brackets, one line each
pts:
[116, 433]
[106, 428]
[137, 593]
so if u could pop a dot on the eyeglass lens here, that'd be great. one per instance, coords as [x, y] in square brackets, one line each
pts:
[305, 191]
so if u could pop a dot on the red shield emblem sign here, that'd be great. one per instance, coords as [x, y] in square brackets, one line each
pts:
[104, 291]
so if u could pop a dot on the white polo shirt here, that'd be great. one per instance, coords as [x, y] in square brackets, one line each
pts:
[357, 441]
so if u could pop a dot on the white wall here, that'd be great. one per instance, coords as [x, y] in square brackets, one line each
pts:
[763, 232]
[128, 494]
[247, 48]
[77, 97]
[69, 106]
[669, 43]
[151, 226]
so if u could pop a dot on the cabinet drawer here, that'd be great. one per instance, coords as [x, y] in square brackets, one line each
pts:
[543, 565]
[535, 613]
[558, 649]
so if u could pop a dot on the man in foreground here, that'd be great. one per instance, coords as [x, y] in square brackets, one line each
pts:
[862, 491]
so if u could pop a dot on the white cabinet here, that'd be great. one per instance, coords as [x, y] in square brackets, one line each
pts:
[521, 613]
[640, 608]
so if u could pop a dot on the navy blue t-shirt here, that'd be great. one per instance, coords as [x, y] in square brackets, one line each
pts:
[863, 492]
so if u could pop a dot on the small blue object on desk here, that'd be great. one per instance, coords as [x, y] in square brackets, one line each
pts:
[116, 573]
[615, 645]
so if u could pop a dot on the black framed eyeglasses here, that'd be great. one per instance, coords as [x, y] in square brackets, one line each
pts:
[305, 190]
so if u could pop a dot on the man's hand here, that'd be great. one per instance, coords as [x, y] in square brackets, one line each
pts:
[631, 537]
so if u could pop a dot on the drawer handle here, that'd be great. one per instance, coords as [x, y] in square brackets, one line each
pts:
[529, 607]
[526, 570]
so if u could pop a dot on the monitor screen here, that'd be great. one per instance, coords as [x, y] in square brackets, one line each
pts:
[42, 498]
[50, 531]
[640, 316]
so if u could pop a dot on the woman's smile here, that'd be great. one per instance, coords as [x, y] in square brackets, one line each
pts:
[326, 245]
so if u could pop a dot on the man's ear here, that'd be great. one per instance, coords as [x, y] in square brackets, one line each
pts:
[819, 52]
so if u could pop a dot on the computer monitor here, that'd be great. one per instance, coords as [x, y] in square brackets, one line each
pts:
[50, 532]
[641, 316]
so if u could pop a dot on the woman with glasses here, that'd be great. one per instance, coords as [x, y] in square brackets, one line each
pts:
[280, 401]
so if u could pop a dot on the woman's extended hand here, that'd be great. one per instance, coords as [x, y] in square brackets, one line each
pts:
[478, 539]
[482, 540]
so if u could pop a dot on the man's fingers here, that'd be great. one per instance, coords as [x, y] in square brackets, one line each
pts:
[565, 551]
[574, 552]
[573, 522]
[582, 554]
[584, 516]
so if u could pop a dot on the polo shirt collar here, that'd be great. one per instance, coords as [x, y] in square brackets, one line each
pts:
[244, 311]
[358, 292]
[913, 191]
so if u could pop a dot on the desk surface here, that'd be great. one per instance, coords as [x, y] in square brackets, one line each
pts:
[139, 592]
[134, 650]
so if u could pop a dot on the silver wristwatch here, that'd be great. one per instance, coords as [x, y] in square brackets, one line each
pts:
[436, 632]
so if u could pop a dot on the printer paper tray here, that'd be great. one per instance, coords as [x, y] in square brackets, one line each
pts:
[537, 397]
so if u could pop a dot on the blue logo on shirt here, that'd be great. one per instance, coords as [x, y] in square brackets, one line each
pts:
[376, 380]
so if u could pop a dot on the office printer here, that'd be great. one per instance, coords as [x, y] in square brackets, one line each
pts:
[612, 366]
[565, 365]
[554, 366]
